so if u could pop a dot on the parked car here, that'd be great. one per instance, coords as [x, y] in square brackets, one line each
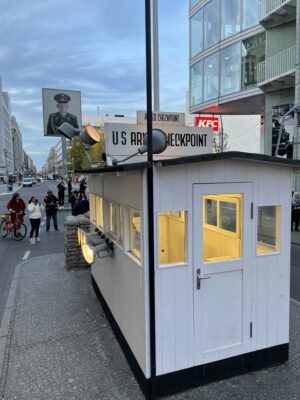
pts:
[27, 182]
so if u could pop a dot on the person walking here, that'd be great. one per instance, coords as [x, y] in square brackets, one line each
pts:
[61, 194]
[296, 210]
[35, 214]
[16, 207]
[69, 183]
[82, 186]
[51, 210]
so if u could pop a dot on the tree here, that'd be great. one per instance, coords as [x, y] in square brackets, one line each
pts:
[76, 155]
[98, 149]
[218, 146]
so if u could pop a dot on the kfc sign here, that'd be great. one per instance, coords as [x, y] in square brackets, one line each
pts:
[207, 122]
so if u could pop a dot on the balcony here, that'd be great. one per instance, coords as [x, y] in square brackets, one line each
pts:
[276, 12]
[278, 71]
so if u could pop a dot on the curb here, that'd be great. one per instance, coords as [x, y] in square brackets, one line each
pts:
[13, 191]
[4, 327]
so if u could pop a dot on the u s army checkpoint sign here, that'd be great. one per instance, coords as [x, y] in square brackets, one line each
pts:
[123, 140]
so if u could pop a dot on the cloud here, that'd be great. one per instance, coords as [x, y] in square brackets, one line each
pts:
[95, 47]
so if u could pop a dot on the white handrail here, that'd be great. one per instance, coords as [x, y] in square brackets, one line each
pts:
[277, 65]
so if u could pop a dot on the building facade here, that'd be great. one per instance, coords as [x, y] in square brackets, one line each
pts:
[244, 59]
[6, 144]
[17, 147]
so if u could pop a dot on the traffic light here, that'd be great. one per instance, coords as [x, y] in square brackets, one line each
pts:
[285, 146]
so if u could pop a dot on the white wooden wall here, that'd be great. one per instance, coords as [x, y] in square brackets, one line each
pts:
[270, 273]
[121, 279]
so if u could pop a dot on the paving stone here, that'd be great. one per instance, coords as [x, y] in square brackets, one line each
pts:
[60, 346]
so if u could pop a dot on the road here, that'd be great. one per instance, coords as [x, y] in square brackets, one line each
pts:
[12, 252]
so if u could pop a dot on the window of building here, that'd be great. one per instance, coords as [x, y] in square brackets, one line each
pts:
[93, 208]
[116, 221]
[253, 52]
[172, 237]
[211, 23]
[196, 28]
[211, 77]
[268, 229]
[230, 17]
[250, 13]
[230, 69]
[222, 227]
[135, 232]
[196, 83]
[99, 212]
[193, 3]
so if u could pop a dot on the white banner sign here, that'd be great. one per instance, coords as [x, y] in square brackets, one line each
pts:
[123, 140]
[161, 118]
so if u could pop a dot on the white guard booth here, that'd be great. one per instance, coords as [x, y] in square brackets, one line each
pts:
[222, 264]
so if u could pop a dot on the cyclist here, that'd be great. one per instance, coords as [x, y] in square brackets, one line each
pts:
[16, 207]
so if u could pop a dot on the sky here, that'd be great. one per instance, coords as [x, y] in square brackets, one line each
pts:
[94, 46]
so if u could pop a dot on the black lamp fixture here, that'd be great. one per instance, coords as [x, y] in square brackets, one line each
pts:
[159, 145]
[89, 135]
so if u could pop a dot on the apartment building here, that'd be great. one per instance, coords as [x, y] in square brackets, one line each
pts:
[6, 144]
[244, 59]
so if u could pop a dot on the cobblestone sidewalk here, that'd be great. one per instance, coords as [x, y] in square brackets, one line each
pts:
[60, 347]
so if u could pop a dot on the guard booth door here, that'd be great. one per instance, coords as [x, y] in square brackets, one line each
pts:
[222, 228]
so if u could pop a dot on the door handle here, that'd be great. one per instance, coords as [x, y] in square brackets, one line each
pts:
[200, 278]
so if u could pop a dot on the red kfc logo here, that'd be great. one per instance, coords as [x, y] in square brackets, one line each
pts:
[207, 122]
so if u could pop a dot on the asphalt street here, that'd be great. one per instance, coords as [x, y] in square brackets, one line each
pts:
[12, 252]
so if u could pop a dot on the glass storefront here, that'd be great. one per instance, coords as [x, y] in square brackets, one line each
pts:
[220, 19]
[230, 17]
[196, 84]
[230, 69]
[197, 33]
[211, 77]
[250, 13]
[211, 23]
[235, 67]
[253, 52]
[193, 3]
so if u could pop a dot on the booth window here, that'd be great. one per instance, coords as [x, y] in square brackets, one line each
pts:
[116, 221]
[99, 212]
[172, 237]
[93, 207]
[135, 233]
[268, 229]
[222, 227]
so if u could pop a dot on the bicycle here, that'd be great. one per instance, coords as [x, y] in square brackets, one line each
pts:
[18, 230]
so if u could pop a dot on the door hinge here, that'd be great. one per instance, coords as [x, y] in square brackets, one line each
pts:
[252, 210]
[251, 329]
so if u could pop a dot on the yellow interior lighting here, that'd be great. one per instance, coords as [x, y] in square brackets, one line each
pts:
[222, 227]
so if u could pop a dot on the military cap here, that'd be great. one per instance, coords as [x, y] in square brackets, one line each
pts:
[62, 98]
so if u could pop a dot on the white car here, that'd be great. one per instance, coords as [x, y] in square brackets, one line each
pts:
[27, 182]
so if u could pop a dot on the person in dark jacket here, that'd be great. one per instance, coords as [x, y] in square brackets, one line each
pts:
[82, 186]
[61, 193]
[51, 210]
[82, 205]
[73, 199]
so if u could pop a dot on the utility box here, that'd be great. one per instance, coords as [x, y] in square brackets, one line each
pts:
[222, 264]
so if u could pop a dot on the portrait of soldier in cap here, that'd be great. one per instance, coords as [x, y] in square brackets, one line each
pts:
[56, 119]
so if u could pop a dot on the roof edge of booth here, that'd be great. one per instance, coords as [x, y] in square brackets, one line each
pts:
[233, 155]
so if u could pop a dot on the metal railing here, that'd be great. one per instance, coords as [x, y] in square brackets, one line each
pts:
[277, 65]
[265, 7]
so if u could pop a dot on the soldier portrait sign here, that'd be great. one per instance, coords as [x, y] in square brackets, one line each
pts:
[60, 106]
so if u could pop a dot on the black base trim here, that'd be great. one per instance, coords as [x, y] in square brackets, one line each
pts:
[192, 377]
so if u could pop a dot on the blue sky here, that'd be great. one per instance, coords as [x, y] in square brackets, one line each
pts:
[96, 47]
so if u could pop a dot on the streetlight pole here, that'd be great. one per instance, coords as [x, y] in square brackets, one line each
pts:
[155, 55]
[151, 266]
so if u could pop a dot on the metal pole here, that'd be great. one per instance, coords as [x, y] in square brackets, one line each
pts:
[155, 55]
[150, 202]
[222, 134]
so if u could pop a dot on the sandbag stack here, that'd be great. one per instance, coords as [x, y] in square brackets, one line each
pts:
[73, 254]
